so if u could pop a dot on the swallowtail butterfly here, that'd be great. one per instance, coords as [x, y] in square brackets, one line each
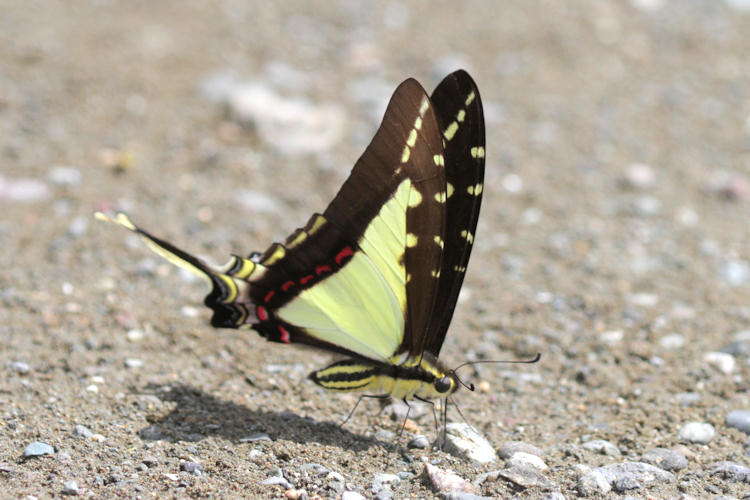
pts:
[376, 276]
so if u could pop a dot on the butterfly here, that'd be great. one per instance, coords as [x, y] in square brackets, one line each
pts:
[377, 275]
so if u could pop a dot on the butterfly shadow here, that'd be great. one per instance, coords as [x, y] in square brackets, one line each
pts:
[197, 415]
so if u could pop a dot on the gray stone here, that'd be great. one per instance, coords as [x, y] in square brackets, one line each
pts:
[191, 467]
[82, 431]
[508, 448]
[739, 419]
[621, 477]
[665, 459]
[731, 471]
[70, 488]
[602, 447]
[419, 442]
[38, 449]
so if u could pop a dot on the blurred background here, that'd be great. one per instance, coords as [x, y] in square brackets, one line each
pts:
[614, 232]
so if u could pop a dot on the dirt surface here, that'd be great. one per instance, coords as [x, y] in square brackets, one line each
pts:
[613, 239]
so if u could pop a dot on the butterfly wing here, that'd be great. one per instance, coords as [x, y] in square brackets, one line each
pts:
[360, 278]
[461, 120]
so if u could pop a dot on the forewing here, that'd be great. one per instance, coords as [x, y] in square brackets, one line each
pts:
[461, 120]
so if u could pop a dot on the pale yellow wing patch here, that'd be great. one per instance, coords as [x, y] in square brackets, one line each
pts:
[362, 306]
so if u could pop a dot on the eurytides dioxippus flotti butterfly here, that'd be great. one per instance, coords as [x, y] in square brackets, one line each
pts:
[376, 276]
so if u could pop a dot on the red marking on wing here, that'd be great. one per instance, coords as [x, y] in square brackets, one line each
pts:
[261, 312]
[284, 335]
[286, 286]
[267, 299]
[346, 252]
[322, 269]
[304, 280]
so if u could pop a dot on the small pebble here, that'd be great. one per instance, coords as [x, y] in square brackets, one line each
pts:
[37, 449]
[522, 459]
[688, 398]
[735, 272]
[385, 435]
[351, 495]
[512, 183]
[296, 494]
[672, 341]
[172, 477]
[82, 432]
[462, 440]
[20, 367]
[639, 176]
[739, 419]
[70, 488]
[24, 189]
[191, 467]
[731, 471]
[63, 175]
[621, 477]
[665, 459]
[526, 477]
[722, 361]
[448, 481]
[258, 436]
[602, 447]
[383, 481]
[133, 363]
[135, 335]
[508, 448]
[274, 480]
[419, 442]
[697, 432]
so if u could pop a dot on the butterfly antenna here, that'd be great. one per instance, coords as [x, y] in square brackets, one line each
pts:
[471, 386]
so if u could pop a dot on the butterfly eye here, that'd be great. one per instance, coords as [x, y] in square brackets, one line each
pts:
[443, 384]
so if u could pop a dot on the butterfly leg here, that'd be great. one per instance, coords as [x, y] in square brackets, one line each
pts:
[403, 425]
[434, 413]
[351, 413]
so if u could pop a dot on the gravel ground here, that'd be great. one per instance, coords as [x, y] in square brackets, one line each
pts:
[613, 240]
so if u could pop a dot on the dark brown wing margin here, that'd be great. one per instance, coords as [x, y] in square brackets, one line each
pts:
[461, 118]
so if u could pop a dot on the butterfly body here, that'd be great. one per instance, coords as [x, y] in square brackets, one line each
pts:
[376, 276]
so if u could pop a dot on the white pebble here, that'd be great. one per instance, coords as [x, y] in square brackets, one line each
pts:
[697, 432]
[639, 175]
[672, 341]
[523, 459]
[512, 183]
[722, 361]
[611, 336]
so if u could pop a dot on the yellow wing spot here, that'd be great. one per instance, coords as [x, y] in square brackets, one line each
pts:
[470, 98]
[248, 266]
[467, 236]
[435, 274]
[411, 240]
[412, 140]
[276, 256]
[439, 160]
[460, 269]
[405, 155]
[424, 107]
[408, 277]
[449, 189]
[415, 198]
[477, 152]
[418, 123]
[440, 197]
[439, 241]
[450, 131]
[302, 236]
[475, 190]
[461, 115]
[317, 224]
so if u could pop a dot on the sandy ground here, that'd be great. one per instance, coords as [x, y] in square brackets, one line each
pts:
[613, 238]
